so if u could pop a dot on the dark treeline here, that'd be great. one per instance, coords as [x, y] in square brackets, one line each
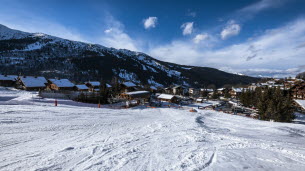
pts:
[272, 103]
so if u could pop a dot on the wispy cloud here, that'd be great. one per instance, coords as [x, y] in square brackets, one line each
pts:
[262, 5]
[231, 29]
[252, 9]
[115, 36]
[187, 28]
[150, 22]
[200, 37]
[28, 22]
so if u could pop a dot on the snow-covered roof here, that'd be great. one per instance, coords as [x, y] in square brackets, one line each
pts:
[8, 77]
[166, 96]
[62, 82]
[208, 90]
[108, 86]
[30, 81]
[137, 92]
[301, 103]
[129, 84]
[82, 87]
[94, 83]
[220, 89]
[238, 90]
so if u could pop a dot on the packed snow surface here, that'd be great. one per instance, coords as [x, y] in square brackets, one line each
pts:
[36, 135]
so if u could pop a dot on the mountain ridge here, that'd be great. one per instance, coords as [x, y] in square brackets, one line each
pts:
[42, 54]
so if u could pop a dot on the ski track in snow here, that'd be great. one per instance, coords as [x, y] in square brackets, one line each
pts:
[39, 136]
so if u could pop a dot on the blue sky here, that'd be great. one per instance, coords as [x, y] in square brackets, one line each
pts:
[253, 37]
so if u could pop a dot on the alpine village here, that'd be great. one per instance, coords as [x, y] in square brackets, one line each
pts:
[267, 99]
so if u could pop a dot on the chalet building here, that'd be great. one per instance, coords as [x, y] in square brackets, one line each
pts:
[194, 92]
[94, 86]
[8, 80]
[60, 84]
[81, 87]
[300, 105]
[298, 91]
[31, 83]
[168, 98]
[136, 95]
[236, 92]
[221, 91]
[288, 84]
[207, 90]
[168, 90]
[178, 90]
[253, 86]
[128, 87]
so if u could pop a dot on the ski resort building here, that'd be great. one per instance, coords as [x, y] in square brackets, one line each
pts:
[31, 83]
[136, 95]
[300, 104]
[8, 80]
[194, 91]
[298, 91]
[81, 87]
[60, 84]
[168, 98]
[94, 86]
[128, 87]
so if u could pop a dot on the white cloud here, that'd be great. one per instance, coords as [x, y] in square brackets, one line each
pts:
[34, 24]
[187, 28]
[231, 29]
[251, 10]
[200, 37]
[116, 37]
[150, 22]
[262, 5]
[275, 52]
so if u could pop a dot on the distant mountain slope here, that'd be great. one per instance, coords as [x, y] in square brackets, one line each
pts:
[41, 54]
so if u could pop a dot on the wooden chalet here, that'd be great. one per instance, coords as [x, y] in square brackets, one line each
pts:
[31, 83]
[60, 84]
[236, 92]
[168, 98]
[221, 91]
[194, 91]
[168, 90]
[94, 86]
[128, 87]
[8, 80]
[298, 91]
[300, 105]
[136, 95]
[81, 87]
[178, 90]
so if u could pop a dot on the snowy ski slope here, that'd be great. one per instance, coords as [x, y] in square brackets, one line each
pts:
[35, 135]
